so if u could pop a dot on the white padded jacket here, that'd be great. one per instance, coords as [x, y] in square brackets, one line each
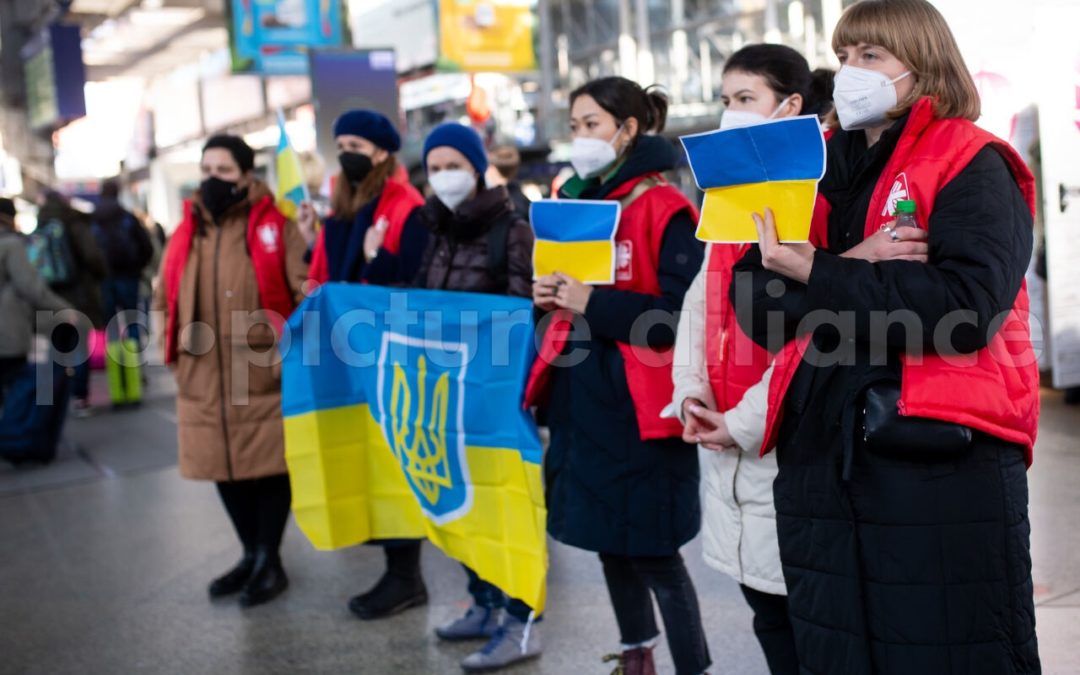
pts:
[739, 517]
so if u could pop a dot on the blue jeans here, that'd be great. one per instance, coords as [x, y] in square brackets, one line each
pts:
[489, 596]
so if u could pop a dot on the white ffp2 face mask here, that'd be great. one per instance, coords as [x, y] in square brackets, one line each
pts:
[452, 186]
[736, 119]
[864, 97]
[590, 156]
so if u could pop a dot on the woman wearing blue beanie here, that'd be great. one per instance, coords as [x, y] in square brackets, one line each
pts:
[478, 244]
[375, 236]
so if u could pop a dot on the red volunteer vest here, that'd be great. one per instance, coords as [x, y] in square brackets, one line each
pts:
[734, 361]
[995, 390]
[266, 243]
[648, 371]
[396, 204]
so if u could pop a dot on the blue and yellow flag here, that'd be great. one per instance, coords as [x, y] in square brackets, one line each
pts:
[291, 190]
[576, 237]
[404, 418]
[775, 164]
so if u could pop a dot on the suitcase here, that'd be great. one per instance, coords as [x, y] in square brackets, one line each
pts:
[29, 431]
[122, 372]
[97, 349]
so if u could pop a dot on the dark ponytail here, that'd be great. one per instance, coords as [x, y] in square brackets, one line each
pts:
[624, 98]
[821, 92]
[786, 72]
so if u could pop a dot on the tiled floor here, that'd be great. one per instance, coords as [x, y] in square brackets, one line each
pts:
[105, 555]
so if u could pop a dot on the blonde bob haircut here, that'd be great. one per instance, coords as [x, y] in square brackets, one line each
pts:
[916, 33]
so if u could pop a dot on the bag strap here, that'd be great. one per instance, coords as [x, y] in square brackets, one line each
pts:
[643, 186]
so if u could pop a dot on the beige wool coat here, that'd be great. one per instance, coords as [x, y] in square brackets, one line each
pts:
[228, 368]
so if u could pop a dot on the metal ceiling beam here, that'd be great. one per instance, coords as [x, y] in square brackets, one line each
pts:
[97, 73]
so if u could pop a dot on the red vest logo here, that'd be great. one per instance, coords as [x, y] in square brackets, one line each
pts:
[624, 259]
[899, 192]
[268, 237]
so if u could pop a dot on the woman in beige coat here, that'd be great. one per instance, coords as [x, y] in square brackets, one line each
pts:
[233, 270]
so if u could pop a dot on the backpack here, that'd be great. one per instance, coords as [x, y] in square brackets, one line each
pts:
[123, 248]
[49, 249]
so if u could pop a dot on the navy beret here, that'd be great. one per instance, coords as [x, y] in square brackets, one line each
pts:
[371, 125]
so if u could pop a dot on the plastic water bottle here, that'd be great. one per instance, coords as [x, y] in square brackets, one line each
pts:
[905, 214]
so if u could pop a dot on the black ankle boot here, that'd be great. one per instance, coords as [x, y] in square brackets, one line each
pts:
[267, 580]
[392, 595]
[233, 581]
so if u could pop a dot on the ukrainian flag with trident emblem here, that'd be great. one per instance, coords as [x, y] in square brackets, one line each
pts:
[404, 418]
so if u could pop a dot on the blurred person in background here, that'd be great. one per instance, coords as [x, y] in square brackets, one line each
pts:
[234, 255]
[68, 256]
[505, 162]
[22, 293]
[128, 251]
[480, 244]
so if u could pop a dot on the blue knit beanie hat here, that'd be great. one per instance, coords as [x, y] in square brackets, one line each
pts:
[370, 125]
[461, 138]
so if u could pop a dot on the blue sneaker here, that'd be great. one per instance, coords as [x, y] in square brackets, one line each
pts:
[513, 642]
[479, 623]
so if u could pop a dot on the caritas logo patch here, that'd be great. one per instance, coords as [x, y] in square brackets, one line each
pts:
[268, 237]
[624, 260]
[899, 192]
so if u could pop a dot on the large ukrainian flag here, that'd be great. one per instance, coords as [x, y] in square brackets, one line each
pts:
[776, 164]
[404, 418]
[575, 237]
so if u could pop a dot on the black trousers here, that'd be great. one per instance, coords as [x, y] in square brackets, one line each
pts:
[772, 627]
[259, 509]
[629, 581]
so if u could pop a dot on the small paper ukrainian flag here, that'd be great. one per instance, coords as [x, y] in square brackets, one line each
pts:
[291, 190]
[776, 164]
[575, 237]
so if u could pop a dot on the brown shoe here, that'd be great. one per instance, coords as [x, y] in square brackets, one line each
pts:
[638, 661]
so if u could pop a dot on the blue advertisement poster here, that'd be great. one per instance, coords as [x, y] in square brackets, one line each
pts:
[272, 37]
[55, 76]
[344, 79]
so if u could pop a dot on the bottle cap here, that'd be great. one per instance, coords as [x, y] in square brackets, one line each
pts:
[905, 206]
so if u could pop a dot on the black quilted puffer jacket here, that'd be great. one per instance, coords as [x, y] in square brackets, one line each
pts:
[483, 246]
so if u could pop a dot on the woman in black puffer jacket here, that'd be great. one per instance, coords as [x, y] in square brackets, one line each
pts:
[478, 244]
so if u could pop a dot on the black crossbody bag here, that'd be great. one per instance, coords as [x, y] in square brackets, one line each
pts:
[887, 432]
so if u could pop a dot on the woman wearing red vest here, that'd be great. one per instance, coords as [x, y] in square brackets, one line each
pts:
[720, 393]
[375, 234]
[232, 272]
[620, 481]
[904, 407]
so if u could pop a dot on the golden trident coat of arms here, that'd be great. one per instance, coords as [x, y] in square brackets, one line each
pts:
[418, 436]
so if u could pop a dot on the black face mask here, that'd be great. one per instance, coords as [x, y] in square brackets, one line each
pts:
[218, 195]
[355, 165]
